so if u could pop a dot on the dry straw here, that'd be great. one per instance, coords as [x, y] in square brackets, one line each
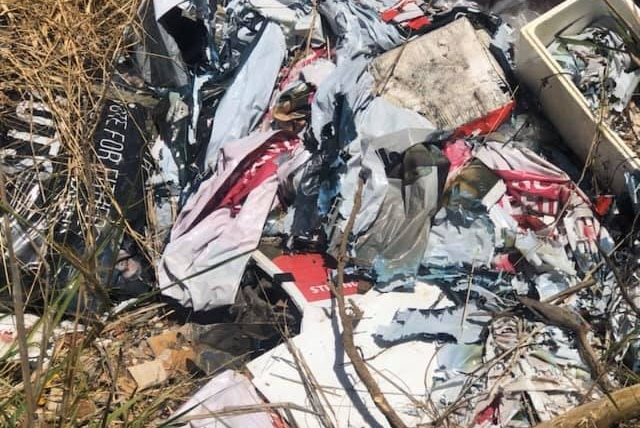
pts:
[62, 53]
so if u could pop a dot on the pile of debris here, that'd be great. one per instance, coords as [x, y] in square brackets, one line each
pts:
[352, 213]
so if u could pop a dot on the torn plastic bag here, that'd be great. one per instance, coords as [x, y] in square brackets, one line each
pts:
[247, 99]
[221, 224]
[337, 105]
[228, 389]
[378, 119]
[395, 243]
[156, 53]
[359, 28]
[349, 81]
[190, 23]
[320, 183]
[460, 238]
[296, 18]
[451, 325]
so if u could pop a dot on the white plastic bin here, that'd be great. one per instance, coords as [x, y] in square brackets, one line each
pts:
[561, 101]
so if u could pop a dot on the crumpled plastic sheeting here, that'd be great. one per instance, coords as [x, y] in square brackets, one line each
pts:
[382, 117]
[378, 119]
[350, 79]
[539, 189]
[454, 243]
[544, 255]
[359, 28]
[528, 176]
[228, 389]
[295, 17]
[210, 245]
[453, 325]
[367, 34]
[396, 241]
[157, 54]
[247, 99]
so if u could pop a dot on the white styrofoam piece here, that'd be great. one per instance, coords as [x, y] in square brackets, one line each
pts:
[561, 100]
[408, 365]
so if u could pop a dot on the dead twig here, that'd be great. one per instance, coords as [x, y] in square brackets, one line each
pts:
[589, 282]
[570, 320]
[347, 320]
[311, 386]
[622, 284]
[602, 413]
[246, 410]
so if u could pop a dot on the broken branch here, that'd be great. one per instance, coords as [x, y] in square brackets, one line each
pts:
[347, 324]
[570, 320]
[624, 404]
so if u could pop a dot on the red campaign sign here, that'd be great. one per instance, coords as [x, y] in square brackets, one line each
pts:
[311, 274]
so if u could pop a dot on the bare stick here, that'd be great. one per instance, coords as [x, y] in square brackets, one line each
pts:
[622, 284]
[570, 320]
[347, 324]
[571, 290]
[602, 413]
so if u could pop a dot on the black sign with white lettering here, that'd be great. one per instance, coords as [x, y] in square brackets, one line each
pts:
[46, 194]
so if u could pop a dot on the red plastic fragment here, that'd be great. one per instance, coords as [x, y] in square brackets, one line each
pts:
[486, 124]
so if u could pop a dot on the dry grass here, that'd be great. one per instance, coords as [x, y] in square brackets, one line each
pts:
[62, 52]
